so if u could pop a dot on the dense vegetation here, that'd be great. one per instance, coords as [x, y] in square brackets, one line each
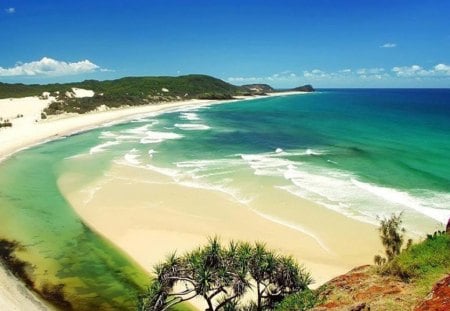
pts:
[190, 86]
[5, 123]
[132, 91]
[423, 263]
[223, 275]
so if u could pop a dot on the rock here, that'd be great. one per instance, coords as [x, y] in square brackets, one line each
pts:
[439, 298]
[304, 88]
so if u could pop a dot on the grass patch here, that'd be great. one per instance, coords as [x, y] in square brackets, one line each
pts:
[300, 301]
[423, 263]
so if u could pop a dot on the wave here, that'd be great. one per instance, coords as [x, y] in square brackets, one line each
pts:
[342, 192]
[153, 137]
[421, 205]
[139, 130]
[132, 157]
[192, 127]
[190, 116]
[188, 175]
[102, 147]
[233, 193]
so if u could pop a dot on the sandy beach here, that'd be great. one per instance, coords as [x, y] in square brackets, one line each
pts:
[151, 216]
[28, 129]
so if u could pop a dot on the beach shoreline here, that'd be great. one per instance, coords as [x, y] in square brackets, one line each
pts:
[148, 208]
[28, 131]
[31, 131]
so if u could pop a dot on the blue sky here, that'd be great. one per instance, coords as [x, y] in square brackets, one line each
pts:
[328, 43]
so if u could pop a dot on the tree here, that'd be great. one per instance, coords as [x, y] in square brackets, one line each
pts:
[223, 275]
[392, 238]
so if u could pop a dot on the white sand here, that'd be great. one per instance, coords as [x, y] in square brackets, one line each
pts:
[14, 296]
[80, 93]
[30, 130]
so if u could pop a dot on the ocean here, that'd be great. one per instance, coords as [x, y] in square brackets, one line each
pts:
[364, 153]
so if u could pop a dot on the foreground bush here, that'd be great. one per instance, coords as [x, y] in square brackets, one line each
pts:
[300, 301]
[223, 275]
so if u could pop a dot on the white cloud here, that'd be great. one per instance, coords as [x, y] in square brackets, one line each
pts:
[10, 10]
[369, 76]
[281, 77]
[369, 71]
[316, 74]
[416, 71]
[49, 67]
[388, 45]
[442, 69]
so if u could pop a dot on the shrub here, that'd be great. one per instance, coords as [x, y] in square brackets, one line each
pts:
[6, 123]
[428, 259]
[300, 301]
[392, 238]
[222, 275]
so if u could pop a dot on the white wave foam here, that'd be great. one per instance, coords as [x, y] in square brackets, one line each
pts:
[192, 127]
[163, 170]
[209, 164]
[405, 199]
[143, 120]
[220, 188]
[102, 147]
[132, 157]
[118, 137]
[190, 116]
[157, 137]
[138, 130]
[265, 164]
[342, 192]
[278, 150]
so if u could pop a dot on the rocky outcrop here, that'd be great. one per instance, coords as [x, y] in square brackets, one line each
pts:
[304, 88]
[364, 289]
[439, 298]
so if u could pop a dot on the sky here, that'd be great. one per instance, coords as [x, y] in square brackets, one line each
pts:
[285, 43]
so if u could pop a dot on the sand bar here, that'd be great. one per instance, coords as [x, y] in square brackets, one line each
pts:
[149, 216]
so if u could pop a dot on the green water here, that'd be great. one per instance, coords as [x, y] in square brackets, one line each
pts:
[62, 249]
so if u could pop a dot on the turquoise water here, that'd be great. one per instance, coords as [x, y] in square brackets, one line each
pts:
[363, 153]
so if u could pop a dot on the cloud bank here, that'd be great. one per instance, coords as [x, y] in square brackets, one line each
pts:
[397, 74]
[10, 10]
[49, 67]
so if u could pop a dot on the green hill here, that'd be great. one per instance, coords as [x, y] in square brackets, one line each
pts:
[132, 91]
[191, 86]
